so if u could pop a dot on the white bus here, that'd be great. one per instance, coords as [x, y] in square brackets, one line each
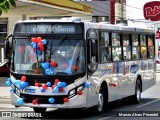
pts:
[71, 63]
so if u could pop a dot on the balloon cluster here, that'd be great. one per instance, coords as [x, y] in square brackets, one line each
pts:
[70, 66]
[8, 83]
[38, 44]
[58, 86]
[49, 67]
[22, 83]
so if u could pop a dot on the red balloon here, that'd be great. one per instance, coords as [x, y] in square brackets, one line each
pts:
[20, 49]
[75, 67]
[60, 89]
[65, 65]
[44, 86]
[39, 40]
[53, 64]
[37, 84]
[53, 86]
[34, 40]
[23, 78]
[36, 71]
[158, 52]
[40, 46]
[56, 81]
[66, 100]
[35, 101]
[114, 85]
[79, 92]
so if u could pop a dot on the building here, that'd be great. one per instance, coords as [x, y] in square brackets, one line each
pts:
[39, 9]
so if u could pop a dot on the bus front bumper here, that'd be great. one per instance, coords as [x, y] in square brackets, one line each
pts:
[78, 101]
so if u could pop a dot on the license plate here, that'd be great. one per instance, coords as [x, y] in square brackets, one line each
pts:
[30, 90]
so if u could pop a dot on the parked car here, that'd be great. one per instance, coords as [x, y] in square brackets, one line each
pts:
[5, 69]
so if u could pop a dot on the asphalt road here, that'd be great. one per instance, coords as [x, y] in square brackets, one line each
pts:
[149, 105]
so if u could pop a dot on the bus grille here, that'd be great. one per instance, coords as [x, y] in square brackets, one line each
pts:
[43, 99]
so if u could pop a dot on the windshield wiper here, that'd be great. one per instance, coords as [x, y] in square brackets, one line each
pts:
[60, 43]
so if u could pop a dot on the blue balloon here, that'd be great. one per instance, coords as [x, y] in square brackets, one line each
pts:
[48, 84]
[59, 84]
[49, 71]
[8, 79]
[55, 90]
[51, 100]
[45, 65]
[34, 45]
[20, 101]
[39, 52]
[8, 83]
[12, 90]
[64, 84]
[44, 41]
[41, 63]
[68, 70]
[27, 84]
[23, 84]
[21, 87]
[16, 82]
[70, 62]
[86, 85]
[42, 90]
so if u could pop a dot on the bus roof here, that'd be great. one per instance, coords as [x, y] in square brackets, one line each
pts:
[90, 24]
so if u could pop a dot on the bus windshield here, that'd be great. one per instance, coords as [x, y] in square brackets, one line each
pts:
[60, 57]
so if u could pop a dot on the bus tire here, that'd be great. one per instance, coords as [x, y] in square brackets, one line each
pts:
[137, 96]
[102, 101]
[39, 110]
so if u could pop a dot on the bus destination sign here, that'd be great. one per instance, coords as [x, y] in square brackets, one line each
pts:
[46, 28]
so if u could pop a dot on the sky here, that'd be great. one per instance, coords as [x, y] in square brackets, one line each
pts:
[135, 13]
[134, 10]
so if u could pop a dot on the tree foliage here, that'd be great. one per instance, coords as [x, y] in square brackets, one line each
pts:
[5, 5]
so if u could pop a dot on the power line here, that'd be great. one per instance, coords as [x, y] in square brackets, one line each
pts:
[134, 20]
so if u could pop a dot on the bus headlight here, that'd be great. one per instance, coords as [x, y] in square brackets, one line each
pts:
[73, 92]
[17, 91]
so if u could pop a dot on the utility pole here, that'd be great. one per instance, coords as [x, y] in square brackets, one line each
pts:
[112, 11]
[122, 11]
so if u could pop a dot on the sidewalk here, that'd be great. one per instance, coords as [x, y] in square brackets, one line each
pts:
[5, 92]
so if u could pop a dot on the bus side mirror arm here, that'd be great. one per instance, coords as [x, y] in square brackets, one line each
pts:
[7, 46]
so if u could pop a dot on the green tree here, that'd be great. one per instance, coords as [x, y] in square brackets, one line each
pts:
[5, 5]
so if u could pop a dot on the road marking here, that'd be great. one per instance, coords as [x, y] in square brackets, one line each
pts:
[147, 103]
[104, 118]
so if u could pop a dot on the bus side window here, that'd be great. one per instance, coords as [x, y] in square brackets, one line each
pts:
[135, 53]
[117, 53]
[105, 53]
[150, 46]
[143, 48]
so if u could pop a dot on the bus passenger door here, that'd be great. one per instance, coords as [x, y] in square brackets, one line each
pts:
[92, 66]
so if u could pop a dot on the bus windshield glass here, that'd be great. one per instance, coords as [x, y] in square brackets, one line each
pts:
[60, 57]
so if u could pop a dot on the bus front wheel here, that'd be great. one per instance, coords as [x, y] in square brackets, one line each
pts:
[137, 96]
[39, 110]
[102, 101]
